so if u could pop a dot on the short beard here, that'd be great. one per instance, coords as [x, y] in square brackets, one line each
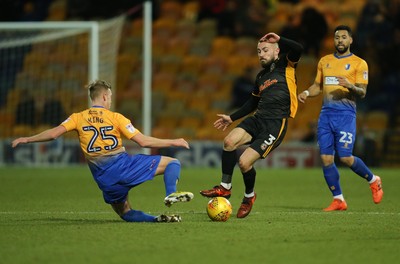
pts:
[343, 51]
[266, 65]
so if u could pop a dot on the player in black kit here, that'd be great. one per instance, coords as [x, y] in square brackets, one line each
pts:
[273, 101]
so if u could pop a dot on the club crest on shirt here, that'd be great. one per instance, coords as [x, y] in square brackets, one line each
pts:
[347, 66]
[263, 146]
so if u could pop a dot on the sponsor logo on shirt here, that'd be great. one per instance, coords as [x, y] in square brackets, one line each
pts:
[268, 83]
[331, 80]
[365, 75]
[66, 120]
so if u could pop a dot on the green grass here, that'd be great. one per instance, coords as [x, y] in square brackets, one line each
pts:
[57, 215]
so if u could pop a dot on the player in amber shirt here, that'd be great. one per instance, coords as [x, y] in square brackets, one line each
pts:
[342, 77]
[114, 170]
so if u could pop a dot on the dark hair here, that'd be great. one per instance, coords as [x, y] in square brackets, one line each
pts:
[96, 87]
[344, 27]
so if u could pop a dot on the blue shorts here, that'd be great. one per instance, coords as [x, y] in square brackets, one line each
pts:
[116, 175]
[336, 133]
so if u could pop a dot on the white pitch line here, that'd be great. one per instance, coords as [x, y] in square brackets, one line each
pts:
[192, 212]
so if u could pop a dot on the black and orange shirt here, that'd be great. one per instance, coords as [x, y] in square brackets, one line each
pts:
[277, 89]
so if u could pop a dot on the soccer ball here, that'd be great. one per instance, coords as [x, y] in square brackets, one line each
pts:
[219, 209]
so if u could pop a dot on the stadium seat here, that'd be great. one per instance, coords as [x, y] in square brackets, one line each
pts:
[192, 64]
[207, 29]
[163, 29]
[136, 27]
[245, 46]
[191, 122]
[190, 10]
[236, 64]
[200, 46]
[214, 65]
[207, 84]
[22, 130]
[222, 47]
[171, 9]
[186, 29]
[163, 82]
[185, 82]
[188, 133]
[178, 46]
[376, 120]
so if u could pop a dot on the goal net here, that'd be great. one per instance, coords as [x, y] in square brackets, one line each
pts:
[45, 66]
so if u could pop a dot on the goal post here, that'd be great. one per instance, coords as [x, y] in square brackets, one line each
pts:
[52, 60]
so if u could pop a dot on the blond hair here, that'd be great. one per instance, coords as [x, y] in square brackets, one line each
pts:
[96, 87]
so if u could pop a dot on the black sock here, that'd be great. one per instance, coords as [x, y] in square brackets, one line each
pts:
[249, 179]
[229, 160]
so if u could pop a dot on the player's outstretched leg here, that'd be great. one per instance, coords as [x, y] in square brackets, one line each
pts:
[168, 218]
[217, 191]
[178, 197]
[137, 216]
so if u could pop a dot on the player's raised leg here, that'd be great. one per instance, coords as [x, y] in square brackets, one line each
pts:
[171, 168]
[375, 183]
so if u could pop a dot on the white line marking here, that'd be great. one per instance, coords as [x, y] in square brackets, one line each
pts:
[193, 212]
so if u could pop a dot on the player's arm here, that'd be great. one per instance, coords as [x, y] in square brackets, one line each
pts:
[247, 108]
[313, 90]
[295, 49]
[47, 135]
[359, 89]
[153, 142]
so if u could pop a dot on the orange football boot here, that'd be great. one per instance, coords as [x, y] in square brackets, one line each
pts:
[376, 188]
[336, 205]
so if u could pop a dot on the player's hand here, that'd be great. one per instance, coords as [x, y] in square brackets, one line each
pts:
[16, 142]
[302, 97]
[344, 82]
[180, 142]
[223, 122]
[270, 37]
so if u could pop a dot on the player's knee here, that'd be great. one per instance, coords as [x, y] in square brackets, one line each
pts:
[244, 165]
[327, 160]
[348, 161]
[229, 144]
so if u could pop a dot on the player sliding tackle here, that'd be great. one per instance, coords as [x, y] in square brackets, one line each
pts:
[113, 169]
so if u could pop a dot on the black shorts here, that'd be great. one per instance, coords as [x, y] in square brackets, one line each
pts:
[267, 134]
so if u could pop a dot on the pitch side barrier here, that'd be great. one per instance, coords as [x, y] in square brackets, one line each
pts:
[65, 152]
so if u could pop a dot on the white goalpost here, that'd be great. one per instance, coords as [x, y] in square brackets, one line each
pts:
[60, 52]
[52, 61]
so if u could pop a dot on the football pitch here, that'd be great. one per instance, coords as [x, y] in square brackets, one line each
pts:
[57, 215]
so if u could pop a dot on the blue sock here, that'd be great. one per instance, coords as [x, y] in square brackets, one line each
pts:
[361, 169]
[137, 216]
[171, 176]
[331, 175]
